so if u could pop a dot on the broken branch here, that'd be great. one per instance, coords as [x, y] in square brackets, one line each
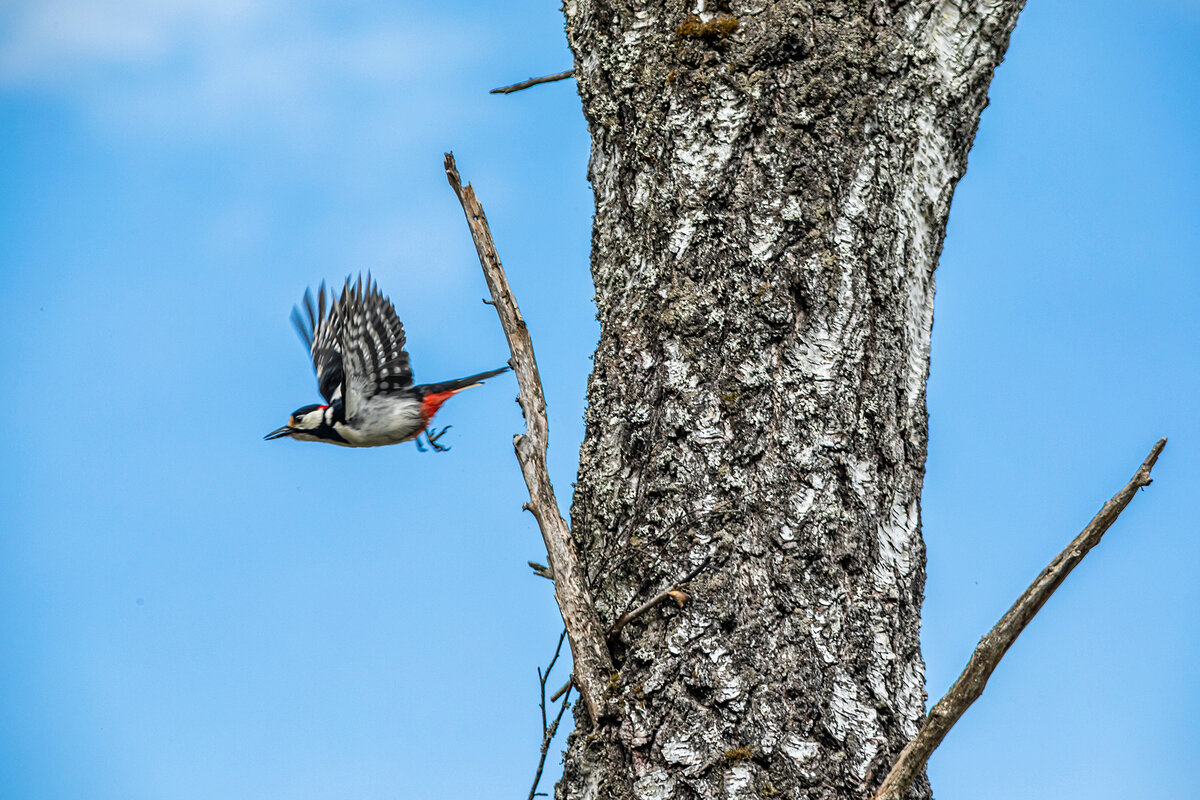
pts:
[566, 687]
[593, 663]
[992, 647]
[541, 570]
[672, 592]
[516, 87]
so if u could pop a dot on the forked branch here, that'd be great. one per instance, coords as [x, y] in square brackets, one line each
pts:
[970, 684]
[593, 664]
[549, 728]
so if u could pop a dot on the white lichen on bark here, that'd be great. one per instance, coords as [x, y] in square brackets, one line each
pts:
[772, 183]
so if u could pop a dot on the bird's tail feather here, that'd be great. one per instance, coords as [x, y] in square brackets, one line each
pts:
[460, 383]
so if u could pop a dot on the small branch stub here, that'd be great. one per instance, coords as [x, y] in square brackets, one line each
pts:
[541, 570]
[992, 647]
[516, 87]
[593, 663]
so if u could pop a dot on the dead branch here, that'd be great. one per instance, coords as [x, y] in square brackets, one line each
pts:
[548, 730]
[593, 663]
[566, 687]
[673, 592]
[678, 595]
[992, 647]
[516, 87]
[546, 739]
[541, 570]
[545, 676]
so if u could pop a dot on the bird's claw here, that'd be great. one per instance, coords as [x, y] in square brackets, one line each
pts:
[433, 438]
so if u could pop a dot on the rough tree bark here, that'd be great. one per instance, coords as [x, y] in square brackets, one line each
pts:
[772, 184]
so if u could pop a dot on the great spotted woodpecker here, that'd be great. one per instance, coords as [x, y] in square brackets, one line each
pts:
[357, 347]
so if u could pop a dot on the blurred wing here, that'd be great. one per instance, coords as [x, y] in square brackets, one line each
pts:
[372, 344]
[318, 328]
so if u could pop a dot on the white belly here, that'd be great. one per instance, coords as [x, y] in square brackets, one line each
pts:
[383, 421]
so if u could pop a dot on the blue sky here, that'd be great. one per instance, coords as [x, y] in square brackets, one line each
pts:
[187, 611]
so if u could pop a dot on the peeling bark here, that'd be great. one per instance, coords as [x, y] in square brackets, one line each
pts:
[772, 184]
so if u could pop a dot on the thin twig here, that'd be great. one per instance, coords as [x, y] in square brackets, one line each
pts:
[548, 730]
[670, 593]
[543, 677]
[541, 570]
[673, 592]
[970, 684]
[546, 739]
[516, 87]
[593, 663]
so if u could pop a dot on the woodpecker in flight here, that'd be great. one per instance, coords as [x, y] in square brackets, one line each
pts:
[357, 347]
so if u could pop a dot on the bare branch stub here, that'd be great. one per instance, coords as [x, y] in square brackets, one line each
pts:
[593, 662]
[992, 647]
[516, 87]
[566, 687]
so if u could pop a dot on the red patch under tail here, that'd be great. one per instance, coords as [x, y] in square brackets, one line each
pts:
[432, 402]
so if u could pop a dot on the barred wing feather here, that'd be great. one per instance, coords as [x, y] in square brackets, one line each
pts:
[356, 342]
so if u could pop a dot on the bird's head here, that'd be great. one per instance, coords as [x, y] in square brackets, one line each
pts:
[305, 422]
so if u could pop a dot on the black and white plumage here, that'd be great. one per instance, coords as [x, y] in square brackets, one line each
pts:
[357, 346]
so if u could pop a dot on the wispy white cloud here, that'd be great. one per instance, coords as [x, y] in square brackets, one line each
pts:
[54, 39]
[204, 67]
[308, 116]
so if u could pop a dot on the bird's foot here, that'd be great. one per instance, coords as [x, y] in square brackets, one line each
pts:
[433, 438]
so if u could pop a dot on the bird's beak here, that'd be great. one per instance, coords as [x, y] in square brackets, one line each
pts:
[279, 433]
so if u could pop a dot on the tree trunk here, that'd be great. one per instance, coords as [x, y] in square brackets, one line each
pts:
[772, 184]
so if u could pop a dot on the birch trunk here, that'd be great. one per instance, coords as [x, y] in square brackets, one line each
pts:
[772, 183]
